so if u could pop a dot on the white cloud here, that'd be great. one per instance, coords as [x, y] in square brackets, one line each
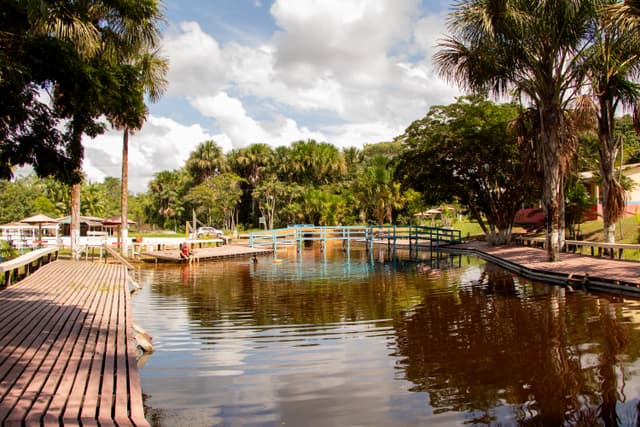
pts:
[196, 65]
[162, 144]
[243, 130]
[365, 64]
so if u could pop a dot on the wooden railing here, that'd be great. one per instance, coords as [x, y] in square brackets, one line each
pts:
[612, 250]
[17, 268]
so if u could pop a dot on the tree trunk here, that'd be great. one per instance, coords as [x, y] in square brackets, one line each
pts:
[124, 225]
[607, 174]
[613, 201]
[74, 225]
[551, 151]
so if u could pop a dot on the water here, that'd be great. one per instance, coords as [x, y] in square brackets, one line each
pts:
[315, 340]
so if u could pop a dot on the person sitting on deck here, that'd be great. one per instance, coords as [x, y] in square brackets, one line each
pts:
[185, 253]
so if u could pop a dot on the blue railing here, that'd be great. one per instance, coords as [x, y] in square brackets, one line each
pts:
[393, 236]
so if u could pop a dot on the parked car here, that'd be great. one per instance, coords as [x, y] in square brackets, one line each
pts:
[209, 231]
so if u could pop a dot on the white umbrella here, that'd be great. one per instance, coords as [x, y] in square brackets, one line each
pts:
[39, 219]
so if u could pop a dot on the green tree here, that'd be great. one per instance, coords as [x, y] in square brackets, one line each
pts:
[253, 163]
[529, 49]
[166, 201]
[270, 195]
[217, 198]
[206, 161]
[93, 202]
[112, 188]
[16, 199]
[150, 70]
[30, 61]
[353, 158]
[613, 61]
[310, 162]
[466, 151]
[97, 81]
[377, 191]
[625, 130]
[322, 206]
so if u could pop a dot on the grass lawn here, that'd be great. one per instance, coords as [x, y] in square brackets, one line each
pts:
[627, 230]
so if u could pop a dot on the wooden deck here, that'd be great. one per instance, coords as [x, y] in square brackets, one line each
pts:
[572, 269]
[204, 254]
[67, 352]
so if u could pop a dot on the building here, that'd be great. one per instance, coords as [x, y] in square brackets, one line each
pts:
[630, 171]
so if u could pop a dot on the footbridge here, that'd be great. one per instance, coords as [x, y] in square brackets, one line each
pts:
[410, 237]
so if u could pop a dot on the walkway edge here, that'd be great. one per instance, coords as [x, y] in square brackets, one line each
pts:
[587, 281]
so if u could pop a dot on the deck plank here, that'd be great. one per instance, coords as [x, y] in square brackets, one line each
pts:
[59, 373]
[206, 254]
[28, 335]
[623, 276]
[42, 364]
[67, 356]
[62, 405]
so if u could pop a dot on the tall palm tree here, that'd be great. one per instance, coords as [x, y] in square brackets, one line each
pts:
[150, 78]
[613, 64]
[111, 35]
[136, 46]
[530, 49]
[253, 163]
[206, 161]
[255, 160]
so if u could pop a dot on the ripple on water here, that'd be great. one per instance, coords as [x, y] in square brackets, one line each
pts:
[325, 342]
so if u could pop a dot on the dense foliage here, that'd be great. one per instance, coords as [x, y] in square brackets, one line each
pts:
[468, 150]
[569, 64]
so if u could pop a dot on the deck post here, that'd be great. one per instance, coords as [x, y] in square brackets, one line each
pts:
[395, 240]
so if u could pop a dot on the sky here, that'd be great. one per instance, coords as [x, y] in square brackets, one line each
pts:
[347, 72]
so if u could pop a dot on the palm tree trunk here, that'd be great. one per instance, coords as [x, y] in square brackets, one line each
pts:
[77, 152]
[608, 179]
[553, 192]
[74, 225]
[124, 226]
[613, 202]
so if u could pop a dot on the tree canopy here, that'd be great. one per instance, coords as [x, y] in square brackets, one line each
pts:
[467, 151]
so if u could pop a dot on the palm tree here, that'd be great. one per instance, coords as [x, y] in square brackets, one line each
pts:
[206, 161]
[613, 63]
[112, 36]
[136, 46]
[530, 49]
[150, 78]
[252, 163]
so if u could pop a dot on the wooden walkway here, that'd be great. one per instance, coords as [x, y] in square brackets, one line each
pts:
[205, 254]
[67, 349]
[572, 269]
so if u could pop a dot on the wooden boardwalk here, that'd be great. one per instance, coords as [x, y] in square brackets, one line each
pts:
[205, 254]
[572, 269]
[67, 352]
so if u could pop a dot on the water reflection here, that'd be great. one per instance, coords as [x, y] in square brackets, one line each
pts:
[321, 340]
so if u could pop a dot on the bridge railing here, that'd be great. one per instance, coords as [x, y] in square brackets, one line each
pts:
[412, 235]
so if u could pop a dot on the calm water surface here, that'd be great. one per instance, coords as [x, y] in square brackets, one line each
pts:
[321, 340]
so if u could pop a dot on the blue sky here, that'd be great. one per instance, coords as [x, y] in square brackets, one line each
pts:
[348, 72]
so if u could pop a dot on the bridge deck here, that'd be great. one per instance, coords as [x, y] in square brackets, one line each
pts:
[67, 352]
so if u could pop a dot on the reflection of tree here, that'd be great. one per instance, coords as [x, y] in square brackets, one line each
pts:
[613, 343]
[491, 343]
[229, 291]
[496, 342]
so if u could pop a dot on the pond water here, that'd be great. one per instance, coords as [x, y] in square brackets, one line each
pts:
[317, 339]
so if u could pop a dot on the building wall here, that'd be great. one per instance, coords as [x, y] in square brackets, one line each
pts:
[633, 196]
